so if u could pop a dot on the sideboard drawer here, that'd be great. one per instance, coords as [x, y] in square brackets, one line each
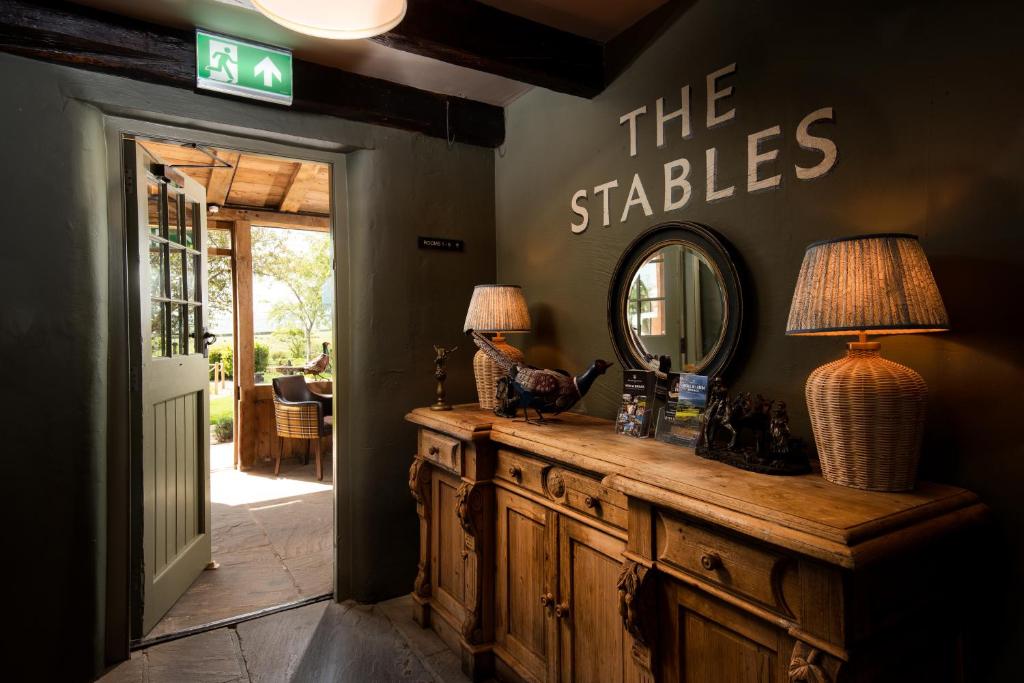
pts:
[586, 495]
[520, 470]
[745, 569]
[442, 450]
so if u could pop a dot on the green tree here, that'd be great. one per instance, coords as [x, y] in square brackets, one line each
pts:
[218, 283]
[302, 265]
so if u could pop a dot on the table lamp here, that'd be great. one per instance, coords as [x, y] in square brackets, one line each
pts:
[498, 309]
[867, 412]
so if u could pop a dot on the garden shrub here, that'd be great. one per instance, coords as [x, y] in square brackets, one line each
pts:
[221, 353]
[261, 357]
[224, 429]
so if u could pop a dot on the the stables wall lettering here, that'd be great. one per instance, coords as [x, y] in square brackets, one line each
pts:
[676, 184]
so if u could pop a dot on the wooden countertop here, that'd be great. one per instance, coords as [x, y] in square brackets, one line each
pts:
[805, 513]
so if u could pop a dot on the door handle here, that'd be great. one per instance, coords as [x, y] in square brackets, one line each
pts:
[562, 610]
[209, 339]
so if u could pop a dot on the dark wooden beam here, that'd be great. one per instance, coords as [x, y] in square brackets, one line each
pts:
[84, 38]
[480, 37]
[623, 49]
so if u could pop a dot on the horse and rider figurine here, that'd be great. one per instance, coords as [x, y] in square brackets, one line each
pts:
[750, 432]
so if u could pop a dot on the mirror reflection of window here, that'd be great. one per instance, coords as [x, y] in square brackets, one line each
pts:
[676, 306]
[647, 298]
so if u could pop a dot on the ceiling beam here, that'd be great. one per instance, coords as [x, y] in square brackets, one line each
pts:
[274, 219]
[480, 37]
[88, 39]
[303, 179]
[219, 187]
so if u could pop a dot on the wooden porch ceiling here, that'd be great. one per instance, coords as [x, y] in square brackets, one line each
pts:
[255, 182]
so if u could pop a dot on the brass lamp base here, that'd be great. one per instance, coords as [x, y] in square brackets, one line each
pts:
[488, 372]
[868, 418]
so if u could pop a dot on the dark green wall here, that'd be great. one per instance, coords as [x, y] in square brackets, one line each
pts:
[54, 333]
[928, 103]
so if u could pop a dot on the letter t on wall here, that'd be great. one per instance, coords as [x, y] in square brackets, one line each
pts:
[632, 117]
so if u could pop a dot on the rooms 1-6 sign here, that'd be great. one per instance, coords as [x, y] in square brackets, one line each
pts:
[677, 182]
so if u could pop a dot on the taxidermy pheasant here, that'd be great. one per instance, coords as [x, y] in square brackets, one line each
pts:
[546, 391]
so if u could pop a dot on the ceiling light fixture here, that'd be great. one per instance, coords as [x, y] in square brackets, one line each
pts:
[335, 19]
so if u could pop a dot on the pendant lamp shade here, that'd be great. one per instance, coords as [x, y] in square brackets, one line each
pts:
[335, 19]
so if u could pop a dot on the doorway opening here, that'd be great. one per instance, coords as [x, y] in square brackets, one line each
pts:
[255, 297]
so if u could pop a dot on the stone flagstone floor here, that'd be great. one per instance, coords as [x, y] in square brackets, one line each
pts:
[273, 539]
[320, 643]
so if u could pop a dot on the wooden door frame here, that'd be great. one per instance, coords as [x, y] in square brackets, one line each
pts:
[123, 527]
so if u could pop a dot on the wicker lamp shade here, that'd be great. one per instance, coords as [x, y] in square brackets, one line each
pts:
[867, 412]
[495, 308]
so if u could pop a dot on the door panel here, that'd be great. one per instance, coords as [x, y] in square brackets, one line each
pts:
[448, 563]
[713, 642]
[167, 240]
[712, 652]
[526, 539]
[594, 646]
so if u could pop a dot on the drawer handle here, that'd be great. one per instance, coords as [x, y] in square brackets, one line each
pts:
[547, 599]
[434, 450]
[516, 472]
[562, 610]
[590, 502]
[710, 561]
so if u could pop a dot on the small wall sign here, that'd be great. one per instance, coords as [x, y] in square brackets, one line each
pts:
[237, 67]
[441, 243]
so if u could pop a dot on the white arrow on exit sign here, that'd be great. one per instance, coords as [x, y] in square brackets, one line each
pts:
[268, 70]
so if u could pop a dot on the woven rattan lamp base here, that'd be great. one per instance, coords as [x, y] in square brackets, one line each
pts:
[868, 417]
[488, 372]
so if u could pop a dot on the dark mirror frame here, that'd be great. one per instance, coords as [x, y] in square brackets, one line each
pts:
[719, 254]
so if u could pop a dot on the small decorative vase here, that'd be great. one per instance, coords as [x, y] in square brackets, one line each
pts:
[868, 418]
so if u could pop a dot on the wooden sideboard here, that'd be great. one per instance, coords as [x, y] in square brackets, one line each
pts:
[563, 552]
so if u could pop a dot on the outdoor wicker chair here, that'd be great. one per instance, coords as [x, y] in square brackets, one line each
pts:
[301, 413]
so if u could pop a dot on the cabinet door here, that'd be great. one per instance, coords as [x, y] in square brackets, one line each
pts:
[703, 640]
[526, 540]
[594, 645]
[448, 545]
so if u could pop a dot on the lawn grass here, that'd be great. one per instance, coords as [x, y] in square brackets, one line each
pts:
[220, 407]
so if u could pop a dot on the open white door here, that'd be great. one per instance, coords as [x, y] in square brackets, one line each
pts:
[167, 243]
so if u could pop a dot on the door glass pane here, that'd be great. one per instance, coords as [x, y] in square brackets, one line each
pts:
[153, 195]
[189, 222]
[157, 257]
[156, 329]
[178, 288]
[197, 289]
[173, 231]
[177, 330]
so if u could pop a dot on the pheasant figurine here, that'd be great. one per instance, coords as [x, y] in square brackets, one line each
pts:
[545, 391]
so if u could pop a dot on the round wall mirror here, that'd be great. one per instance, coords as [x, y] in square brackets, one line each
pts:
[676, 295]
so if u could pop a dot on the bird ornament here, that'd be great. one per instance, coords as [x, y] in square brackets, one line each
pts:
[545, 391]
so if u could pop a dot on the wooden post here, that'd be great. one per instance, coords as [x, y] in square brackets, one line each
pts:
[244, 371]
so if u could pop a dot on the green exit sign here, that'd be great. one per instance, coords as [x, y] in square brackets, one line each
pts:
[233, 66]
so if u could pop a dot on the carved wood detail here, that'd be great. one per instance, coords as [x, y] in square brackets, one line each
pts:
[470, 511]
[555, 484]
[419, 487]
[637, 609]
[810, 665]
